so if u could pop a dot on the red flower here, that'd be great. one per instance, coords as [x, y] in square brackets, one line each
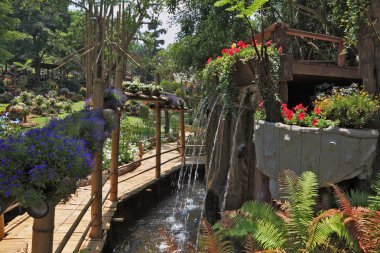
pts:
[301, 116]
[268, 43]
[261, 104]
[300, 107]
[284, 105]
[317, 110]
[315, 121]
[279, 50]
[241, 44]
[289, 114]
[225, 51]
[209, 60]
[219, 57]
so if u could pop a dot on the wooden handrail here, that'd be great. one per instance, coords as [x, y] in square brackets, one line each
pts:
[316, 36]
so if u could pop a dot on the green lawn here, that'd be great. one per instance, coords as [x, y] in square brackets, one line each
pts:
[41, 121]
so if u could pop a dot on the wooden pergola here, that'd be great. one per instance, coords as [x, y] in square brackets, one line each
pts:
[160, 103]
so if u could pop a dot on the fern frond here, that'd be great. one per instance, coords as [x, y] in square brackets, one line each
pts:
[254, 7]
[172, 246]
[212, 241]
[302, 195]
[324, 226]
[344, 202]
[270, 236]
[358, 198]
[374, 200]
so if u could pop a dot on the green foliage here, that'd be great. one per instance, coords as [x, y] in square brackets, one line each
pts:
[293, 228]
[352, 107]
[7, 29]
[211, 241]
[170, 86]
[240, 6]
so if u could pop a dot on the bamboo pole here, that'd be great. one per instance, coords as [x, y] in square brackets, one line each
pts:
[43, 233]
[96, 177]
[2, 227]
[182, 127]
[141, 150]
[158, 140]
[115, 159]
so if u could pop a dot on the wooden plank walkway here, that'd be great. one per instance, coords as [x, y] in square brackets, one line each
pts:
[19, 230]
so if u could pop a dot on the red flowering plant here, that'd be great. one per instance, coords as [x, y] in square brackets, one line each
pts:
[218, 73]
[299, 115]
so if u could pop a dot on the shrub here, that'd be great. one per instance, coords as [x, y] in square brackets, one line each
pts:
[353, 108]
[144, 112]
[157, 90]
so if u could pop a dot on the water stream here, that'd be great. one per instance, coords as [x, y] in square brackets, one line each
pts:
[143, 235]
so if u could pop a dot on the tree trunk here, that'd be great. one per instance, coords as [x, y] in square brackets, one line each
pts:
[37, 69]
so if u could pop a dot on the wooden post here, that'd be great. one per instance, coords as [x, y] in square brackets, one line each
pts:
[43, 233]
[115, 159]
[182, 127]
[141, 150]
[2, 227]
[158, 140]
[96, 176]
[341, 55]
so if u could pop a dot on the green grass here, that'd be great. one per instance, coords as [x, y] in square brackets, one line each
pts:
[41, 121]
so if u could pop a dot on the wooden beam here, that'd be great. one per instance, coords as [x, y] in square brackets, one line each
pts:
[43, 233]
[341, 55]
[324, 70]
[182, 129]
[158, 140]
[284, 91]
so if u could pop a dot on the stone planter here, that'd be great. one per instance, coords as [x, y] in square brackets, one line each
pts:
[333, 154]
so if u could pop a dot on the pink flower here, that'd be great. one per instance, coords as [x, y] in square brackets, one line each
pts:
[317, 110]
[268, 43]
[209, 60]
[241, 44]
[279, 50]
[261, 104]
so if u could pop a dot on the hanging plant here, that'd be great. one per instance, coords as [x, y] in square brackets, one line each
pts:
[219, 73]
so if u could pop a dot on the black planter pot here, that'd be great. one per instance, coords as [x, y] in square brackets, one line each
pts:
[38, 211]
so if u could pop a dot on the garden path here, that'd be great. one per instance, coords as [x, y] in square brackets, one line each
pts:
[19, 230]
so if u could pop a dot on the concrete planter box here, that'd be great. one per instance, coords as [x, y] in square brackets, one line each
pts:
[333, 154]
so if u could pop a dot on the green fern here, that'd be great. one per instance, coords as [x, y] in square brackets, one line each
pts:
[295, 228]
[374, 200]
[240, 6]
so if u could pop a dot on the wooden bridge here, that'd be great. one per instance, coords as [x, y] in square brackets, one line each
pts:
[19, 230]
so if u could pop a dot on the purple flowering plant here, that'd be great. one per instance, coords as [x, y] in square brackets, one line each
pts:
[114, 99]
[88, 125]
[42, 165]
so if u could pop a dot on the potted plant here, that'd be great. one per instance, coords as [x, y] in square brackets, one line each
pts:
[41, 167]
[114, 99]
[146, 89]
[330, 141]
[132, 87]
